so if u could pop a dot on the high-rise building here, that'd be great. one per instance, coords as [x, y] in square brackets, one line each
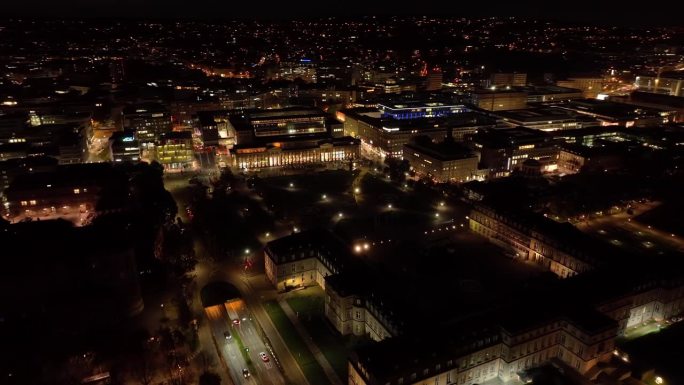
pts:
[174, 151]
[148, 121]
[435, 77]
[124, 147]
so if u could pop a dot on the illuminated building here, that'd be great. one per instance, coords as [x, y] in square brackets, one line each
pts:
[386, 136]
[499, 79]
[289, 137]
[573, 322]
[667, 83]
[495, 99]
[574, 158]
[505, 150]
[70, 192]
[434, 80]
[591, 86]
[148, 121]
[616, 114]
[445, 161]
[673, 104]
[494, 351]
[548, 93]
[545, 119]
[305, 70]
[124, 147]
[174, 151]
[556, 246]
[419, 109]
[304, 259]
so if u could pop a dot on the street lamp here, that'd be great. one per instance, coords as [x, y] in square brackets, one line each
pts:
[246, 251]
[340, 215]
[389, 206]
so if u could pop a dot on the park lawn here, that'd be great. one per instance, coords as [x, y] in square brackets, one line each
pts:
[334, 348]
[307, 362]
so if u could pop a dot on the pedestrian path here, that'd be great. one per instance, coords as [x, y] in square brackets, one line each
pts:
[320, 357]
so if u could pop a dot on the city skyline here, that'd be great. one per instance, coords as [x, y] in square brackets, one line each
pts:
[601, 13]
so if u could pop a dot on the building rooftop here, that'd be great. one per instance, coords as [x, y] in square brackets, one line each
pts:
[445, 150]
[176, 135]
[144, 108]
[541, 114]
[506, 137]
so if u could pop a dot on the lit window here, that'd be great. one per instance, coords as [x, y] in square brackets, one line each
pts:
[24, 203]
[32, 202]
[77, 191]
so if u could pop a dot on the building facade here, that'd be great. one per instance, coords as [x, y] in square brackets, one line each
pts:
[534, 238]
[148, 121]
[175, 151]
[499, 100]
[443, 162]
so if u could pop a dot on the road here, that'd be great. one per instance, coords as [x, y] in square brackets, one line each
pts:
[207, 271]
[621, 229]
[244, 336]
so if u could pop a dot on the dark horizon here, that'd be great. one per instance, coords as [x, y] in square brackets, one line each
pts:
[603, 13]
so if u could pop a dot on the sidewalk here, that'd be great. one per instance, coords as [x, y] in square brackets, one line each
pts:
[329, 371]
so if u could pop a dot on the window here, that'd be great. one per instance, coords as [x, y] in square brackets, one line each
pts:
[32, 202]
[77, 191]
[24, 203]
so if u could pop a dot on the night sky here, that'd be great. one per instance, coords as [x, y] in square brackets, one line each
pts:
[597, 11]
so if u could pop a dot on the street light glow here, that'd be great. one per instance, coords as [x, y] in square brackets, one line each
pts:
[340, 215]
[357, 248]
[357, 190]
[246, 251]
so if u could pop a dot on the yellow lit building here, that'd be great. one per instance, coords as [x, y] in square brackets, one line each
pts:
[174, 151]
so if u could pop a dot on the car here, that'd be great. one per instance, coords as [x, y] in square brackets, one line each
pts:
[236, 321]
[227, 335]
[264, 357]
[245, 373]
